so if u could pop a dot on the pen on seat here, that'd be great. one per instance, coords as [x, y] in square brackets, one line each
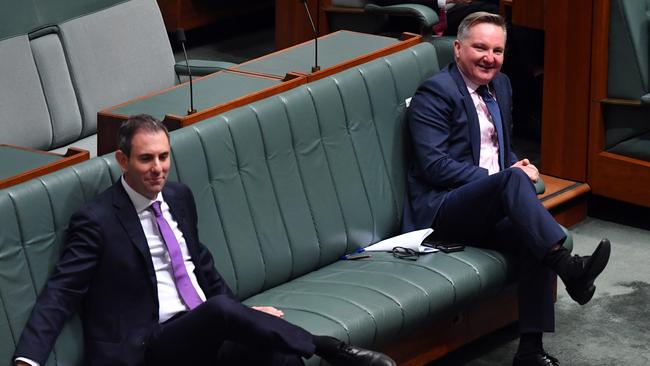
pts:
[355, 255]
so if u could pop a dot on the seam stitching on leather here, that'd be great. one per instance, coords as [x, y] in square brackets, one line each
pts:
[248, 203]
[215, 199]
[301, 177]
[356, 158]
[273, 187]
[329, 168]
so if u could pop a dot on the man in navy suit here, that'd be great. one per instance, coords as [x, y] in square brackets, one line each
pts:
[467, 184]
[147, 288]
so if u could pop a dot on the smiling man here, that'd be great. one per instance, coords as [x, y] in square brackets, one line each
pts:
[147, 289]
[466, 183]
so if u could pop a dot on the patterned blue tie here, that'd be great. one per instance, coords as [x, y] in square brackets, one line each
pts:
[495, 112]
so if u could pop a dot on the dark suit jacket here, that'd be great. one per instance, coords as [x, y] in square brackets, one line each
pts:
[106, 272]
[446, 142]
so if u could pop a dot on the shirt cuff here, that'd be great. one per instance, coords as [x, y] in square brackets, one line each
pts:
[27, 360]
[441, 4]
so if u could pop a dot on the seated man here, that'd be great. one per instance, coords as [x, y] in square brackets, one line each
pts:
[455, 10]
[148, 290]
[467, 184]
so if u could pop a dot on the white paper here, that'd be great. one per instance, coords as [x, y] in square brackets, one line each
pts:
[412, 240]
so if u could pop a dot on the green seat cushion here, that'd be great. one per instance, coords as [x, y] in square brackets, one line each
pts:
[637, 147]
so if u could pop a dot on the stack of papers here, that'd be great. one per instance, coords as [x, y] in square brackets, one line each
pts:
[412, 240]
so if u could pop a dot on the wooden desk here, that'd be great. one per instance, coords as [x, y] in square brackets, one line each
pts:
[525, 13]
[213, 94]
[336, 52]
[254, 80]
[20, 164]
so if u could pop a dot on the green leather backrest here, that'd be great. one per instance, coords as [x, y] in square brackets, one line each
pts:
[291, 183]
[24, 16]
[629, 69]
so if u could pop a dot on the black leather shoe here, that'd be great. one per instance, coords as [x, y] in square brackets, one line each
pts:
[352, 355]
[535, 359]
[582, 288]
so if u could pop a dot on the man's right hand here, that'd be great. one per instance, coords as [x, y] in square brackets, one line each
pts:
[528, 168]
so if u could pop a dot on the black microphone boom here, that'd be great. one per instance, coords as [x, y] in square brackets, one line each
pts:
[180, 36]
[316, 29]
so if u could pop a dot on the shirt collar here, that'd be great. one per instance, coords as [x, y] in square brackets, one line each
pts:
[471, 86]
[139, 201]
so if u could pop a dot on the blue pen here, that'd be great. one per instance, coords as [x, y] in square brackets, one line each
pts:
[355, 255]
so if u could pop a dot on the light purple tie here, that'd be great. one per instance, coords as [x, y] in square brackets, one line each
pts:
[183, 283]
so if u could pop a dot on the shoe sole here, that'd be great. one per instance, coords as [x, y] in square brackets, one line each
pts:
[596, 267]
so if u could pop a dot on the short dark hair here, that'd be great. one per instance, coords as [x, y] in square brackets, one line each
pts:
[131, 126]
[477, 18]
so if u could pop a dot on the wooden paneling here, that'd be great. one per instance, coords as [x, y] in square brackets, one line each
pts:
[566, 104]
[189, 14]
[528, 13]
[292, 24]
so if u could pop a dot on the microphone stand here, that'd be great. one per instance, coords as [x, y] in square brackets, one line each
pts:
[180, 34]
[316, 30]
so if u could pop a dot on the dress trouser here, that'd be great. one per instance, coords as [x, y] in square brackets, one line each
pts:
[502, 212]
[222, 331]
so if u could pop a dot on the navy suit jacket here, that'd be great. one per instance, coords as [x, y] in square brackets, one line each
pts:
[446, 142]
[106, 272]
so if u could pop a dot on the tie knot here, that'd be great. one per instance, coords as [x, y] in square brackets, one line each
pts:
[483, 92]
[156, 209]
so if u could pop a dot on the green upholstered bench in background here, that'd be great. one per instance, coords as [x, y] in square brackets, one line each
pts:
[284, 187]
[63, 61]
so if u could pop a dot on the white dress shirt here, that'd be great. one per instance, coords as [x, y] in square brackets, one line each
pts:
[489, 152]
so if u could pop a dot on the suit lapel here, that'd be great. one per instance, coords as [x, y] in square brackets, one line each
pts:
[131, 223]
[470, 110]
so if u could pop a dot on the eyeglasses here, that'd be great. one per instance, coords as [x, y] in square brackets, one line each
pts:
[405, 253]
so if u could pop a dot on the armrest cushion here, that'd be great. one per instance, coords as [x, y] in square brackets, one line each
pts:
[540, 187]
[426, 16]
[645, 99]
[201, 67]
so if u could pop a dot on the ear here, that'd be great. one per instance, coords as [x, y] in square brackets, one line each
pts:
[122, 160]
[456, 49]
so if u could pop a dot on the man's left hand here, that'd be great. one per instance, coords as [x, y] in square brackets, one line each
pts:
[269, 310]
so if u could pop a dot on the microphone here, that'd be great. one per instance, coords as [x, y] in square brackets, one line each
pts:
[180, 36]
[316, 29]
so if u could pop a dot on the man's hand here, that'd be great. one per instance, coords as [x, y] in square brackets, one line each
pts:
[21, 363]
[269, 310]
[528, 168]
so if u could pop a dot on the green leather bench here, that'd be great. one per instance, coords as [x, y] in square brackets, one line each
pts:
[284, 187]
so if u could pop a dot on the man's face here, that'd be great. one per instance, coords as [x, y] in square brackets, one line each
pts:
[146, 169]
[480, 55]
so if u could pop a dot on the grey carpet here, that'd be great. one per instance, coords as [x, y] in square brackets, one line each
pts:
[613, 329]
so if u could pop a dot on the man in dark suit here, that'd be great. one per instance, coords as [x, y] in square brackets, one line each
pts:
[467, 184]
[147, 289]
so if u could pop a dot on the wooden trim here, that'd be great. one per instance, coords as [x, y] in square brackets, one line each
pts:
[617, 101]
[406, 40]
[183, 121]
[620, 177]
[451, 332]
[72, 156]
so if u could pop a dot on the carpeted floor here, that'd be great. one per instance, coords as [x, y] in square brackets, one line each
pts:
[612, 330]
